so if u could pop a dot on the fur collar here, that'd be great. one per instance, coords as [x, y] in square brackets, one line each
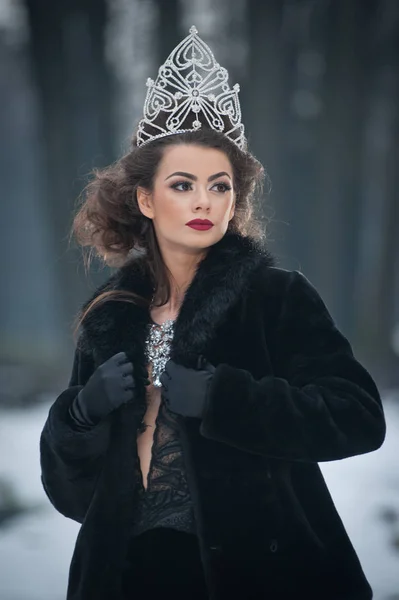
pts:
[220, 280]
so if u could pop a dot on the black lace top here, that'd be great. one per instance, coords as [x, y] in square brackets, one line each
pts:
[167, 501]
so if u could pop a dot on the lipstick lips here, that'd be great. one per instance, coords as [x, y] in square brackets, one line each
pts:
[200, 224]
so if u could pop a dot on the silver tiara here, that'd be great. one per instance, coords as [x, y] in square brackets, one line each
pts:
[191, 81]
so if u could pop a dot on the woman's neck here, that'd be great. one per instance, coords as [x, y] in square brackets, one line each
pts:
[176, 298]
[171, 307]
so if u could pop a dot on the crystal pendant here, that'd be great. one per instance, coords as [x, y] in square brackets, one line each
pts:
[157, 348]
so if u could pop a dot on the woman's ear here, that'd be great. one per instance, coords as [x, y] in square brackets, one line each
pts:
[144, 201]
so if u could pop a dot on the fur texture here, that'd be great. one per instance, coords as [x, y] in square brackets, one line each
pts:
[287, 393]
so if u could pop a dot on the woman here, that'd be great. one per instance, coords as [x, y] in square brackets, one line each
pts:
[207, 383]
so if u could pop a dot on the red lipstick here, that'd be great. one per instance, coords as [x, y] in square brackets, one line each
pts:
[200, 224]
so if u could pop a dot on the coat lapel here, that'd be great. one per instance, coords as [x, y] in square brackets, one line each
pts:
[220, 280]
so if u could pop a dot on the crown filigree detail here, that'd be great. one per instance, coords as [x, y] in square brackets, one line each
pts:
[191, 82]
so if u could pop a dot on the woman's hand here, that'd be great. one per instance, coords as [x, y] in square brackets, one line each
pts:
[184, 390]
[112, 384]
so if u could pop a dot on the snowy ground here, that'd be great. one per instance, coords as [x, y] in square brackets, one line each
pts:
[36, 548]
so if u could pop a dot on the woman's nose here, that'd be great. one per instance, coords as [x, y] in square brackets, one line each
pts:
[203, 197]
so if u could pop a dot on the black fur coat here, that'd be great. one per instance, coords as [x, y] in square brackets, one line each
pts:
[287, 394]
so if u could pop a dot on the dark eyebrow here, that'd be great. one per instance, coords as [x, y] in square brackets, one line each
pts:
[194, 178]
[183, 174]
[212, 177]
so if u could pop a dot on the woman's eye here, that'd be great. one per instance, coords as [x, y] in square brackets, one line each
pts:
[222, 187]
[186, 186]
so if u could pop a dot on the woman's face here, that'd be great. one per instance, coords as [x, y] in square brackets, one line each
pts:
[192, 182]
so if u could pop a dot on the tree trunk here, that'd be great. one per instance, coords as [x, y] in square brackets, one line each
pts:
[377, 280]
[67, 49]
[262, 97]
[336, 214]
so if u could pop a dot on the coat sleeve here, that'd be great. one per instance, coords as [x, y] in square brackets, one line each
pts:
[71, 458]
[320, 405]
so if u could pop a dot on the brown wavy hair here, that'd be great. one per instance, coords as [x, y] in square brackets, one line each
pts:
[110, 223]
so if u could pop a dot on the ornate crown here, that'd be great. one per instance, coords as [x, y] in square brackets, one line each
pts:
[191, 81]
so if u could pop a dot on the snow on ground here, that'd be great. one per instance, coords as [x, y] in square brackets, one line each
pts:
[36, 548]
[362, 488]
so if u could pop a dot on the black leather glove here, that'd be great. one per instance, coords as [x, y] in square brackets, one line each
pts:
[185, 390]
[112, 384]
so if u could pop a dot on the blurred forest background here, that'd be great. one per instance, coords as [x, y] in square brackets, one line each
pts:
[320, 100]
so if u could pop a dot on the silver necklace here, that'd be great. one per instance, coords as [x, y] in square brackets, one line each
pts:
[157, 346]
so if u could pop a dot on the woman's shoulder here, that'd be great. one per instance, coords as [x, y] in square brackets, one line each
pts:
[276, 281]
[291, 291]
[127, 277]
[110, 283]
